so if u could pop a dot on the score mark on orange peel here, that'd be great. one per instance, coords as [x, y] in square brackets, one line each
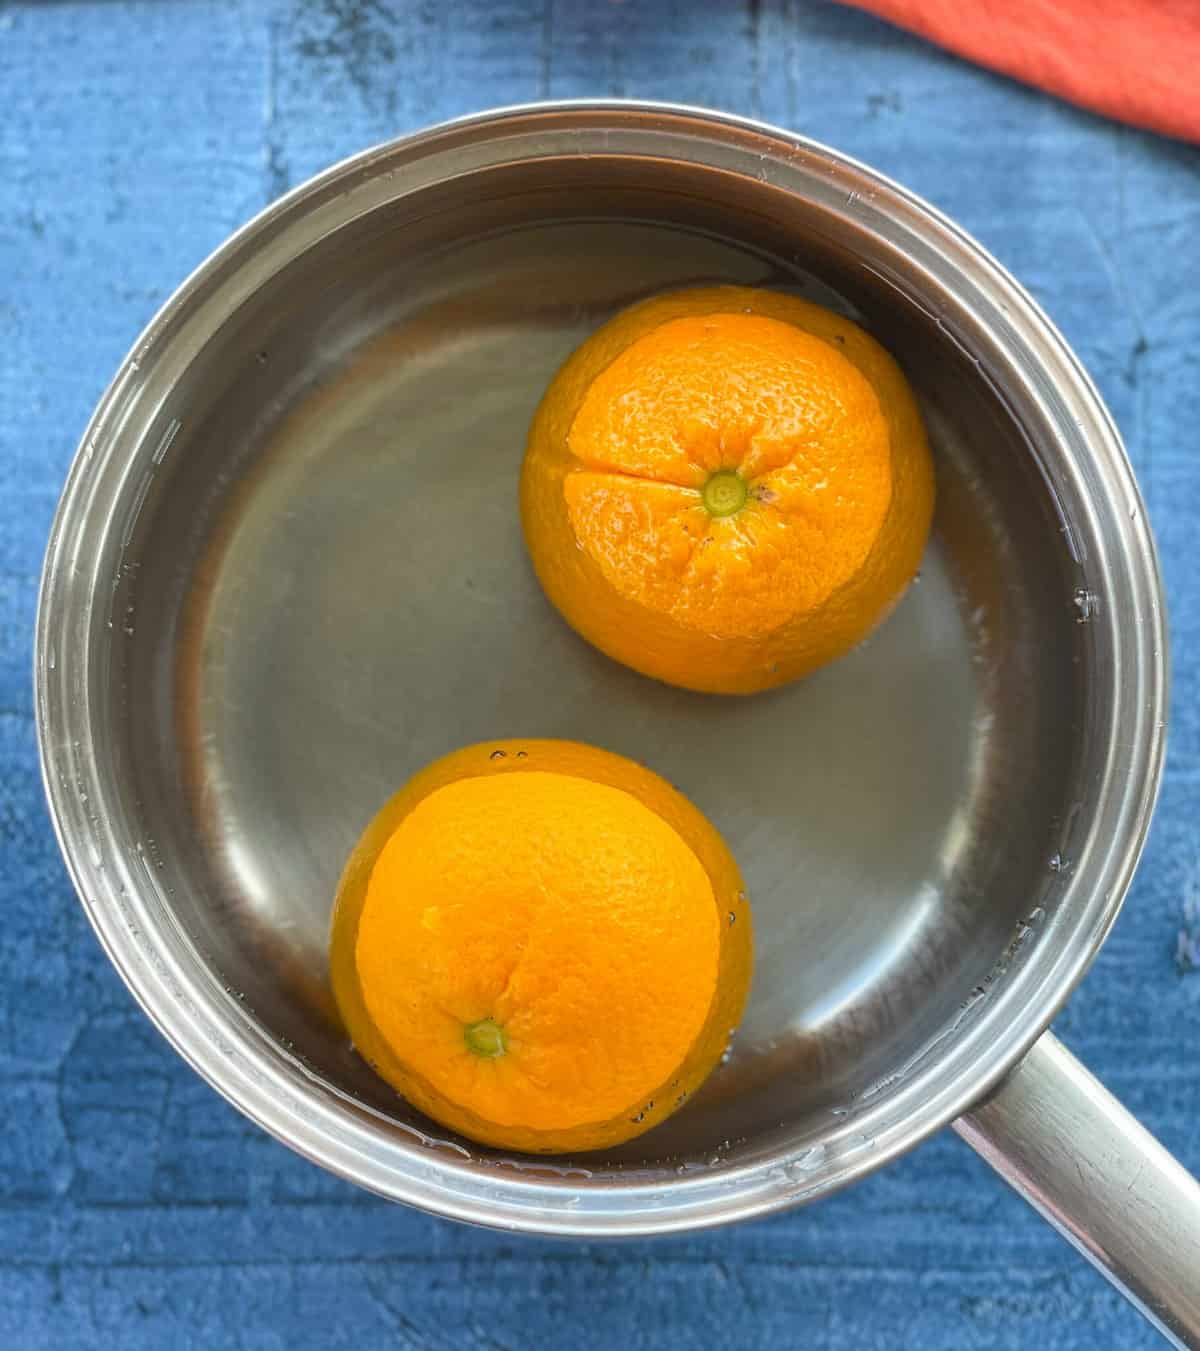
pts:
[725, 488]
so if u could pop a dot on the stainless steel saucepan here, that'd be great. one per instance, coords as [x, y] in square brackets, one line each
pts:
[287, 570]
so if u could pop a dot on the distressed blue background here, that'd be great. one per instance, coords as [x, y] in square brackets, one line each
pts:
[137, 1210]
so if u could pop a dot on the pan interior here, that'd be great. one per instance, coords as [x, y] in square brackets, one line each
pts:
[327, 588]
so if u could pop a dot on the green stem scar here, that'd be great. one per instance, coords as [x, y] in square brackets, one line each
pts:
[485, 1039]
[724, 493]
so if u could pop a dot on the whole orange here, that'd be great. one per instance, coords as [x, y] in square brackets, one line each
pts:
[725, 488]
[542, 945]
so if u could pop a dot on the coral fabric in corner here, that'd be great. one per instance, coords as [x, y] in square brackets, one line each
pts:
[1135, 60]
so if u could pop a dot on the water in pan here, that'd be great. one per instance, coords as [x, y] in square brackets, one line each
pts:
[362, 604]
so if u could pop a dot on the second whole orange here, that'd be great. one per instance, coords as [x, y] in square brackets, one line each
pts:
[542, 945]
[725, 488]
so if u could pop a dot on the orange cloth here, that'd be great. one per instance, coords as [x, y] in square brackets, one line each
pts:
[1136, 60]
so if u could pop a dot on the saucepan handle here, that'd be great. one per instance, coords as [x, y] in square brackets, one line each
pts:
[1057, 1135]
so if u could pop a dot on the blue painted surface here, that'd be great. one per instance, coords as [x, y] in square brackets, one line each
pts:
[137, 1210]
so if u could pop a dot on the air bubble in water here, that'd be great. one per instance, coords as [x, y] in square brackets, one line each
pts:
[1087, 605]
